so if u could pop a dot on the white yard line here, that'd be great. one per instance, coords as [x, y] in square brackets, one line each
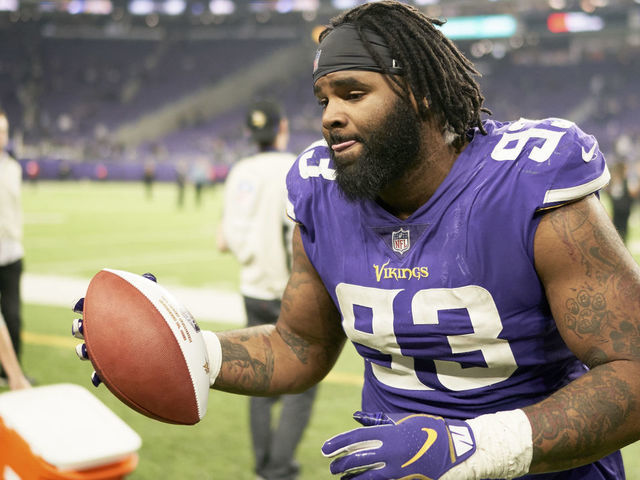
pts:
[206, 304]
[141, 259]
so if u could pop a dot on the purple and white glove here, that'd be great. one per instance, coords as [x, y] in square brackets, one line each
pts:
[399, 446]
[77, 330]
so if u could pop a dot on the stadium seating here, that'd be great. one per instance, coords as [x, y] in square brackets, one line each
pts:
[68, 97]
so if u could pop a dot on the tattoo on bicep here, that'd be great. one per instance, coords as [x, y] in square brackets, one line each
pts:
[586, 312]
[627, 338]
[585, 241]
[589, 312]
[297, 344]
[299, 277]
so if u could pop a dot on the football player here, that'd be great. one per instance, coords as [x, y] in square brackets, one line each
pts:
[470, 263]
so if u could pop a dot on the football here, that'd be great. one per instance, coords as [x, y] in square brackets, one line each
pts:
[146, 347]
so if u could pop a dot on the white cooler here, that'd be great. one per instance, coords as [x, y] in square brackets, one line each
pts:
[63, 432]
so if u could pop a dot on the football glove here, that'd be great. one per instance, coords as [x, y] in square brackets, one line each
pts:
[77, 330]
[400, 447]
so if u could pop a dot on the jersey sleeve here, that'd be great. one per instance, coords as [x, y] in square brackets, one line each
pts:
[308, 174]
[578, 168]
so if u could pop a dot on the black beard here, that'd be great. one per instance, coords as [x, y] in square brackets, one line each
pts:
[389, 152]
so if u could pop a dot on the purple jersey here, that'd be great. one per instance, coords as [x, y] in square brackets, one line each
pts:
[446, 307]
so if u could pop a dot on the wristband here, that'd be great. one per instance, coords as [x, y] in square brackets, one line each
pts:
[504, 447]
[214, 354]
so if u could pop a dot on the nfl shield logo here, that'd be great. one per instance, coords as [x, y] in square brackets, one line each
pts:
[400, 241]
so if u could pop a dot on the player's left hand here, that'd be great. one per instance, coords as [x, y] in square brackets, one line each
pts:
[399, 446]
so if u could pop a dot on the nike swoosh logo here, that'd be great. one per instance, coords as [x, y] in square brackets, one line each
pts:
[432, 436]
[588, 156]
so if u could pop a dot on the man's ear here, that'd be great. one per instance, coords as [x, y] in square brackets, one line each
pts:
[414, 103]
[418, 107]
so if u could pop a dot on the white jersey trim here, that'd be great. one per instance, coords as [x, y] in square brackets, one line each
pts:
[291, 212]
[579, 191]
[317, 143]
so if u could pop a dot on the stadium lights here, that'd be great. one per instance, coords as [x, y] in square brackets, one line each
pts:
[72, 7]
[222, 7]
[148, 7]
[141, 7]
[174, 7]
[557, 4]
[344, 4]
[284, 6]
[483, 26]
[574, 22]
[9, 5]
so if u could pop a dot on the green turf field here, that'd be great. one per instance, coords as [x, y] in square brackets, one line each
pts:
[75, 229]
[78, 228]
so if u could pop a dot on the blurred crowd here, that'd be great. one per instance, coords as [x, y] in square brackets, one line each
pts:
[69, 101]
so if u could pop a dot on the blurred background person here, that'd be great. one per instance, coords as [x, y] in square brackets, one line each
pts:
[181, 181]
[148, 177]
[199, 174]
[14, 376]
[256, 230]
[624, 186]
[11, 248]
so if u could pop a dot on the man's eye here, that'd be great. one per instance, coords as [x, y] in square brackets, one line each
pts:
[354, 95]
[322, 102]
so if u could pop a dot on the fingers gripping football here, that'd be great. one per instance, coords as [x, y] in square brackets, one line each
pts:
[76, 328]
[400, 446]
[78, 332]
[144, 345]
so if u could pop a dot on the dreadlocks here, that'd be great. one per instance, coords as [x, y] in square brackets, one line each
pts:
[433, 67]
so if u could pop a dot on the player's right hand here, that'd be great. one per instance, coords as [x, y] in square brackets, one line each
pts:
[78, 332]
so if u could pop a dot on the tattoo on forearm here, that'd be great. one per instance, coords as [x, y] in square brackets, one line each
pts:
[244, 370]
[591, 416]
